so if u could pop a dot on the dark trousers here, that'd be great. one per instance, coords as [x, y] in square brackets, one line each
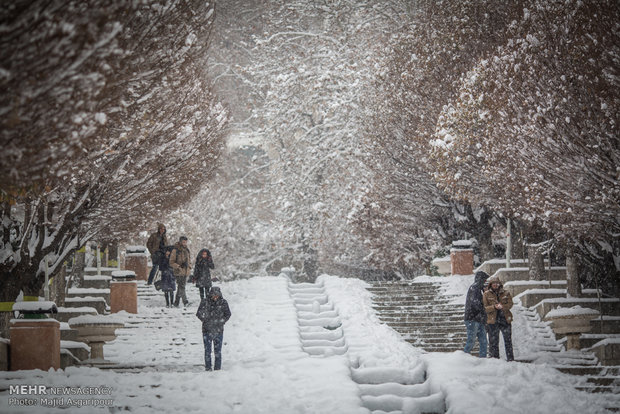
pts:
[169, 295]
[180, 291]
[152, 274]
[494, 330]
[216, 340]
[203, 292]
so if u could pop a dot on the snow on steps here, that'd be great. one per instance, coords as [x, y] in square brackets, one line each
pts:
[382, 389]
[430, 320]
[421, 314]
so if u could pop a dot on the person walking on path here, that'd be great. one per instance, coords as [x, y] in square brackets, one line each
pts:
[168, 284]
[497, 303]
[475, 315]
[156, 244]
[179, 262]
[202, 272]
[214, 313]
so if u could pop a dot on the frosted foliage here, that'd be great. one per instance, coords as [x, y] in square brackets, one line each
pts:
[535, 124]
[106, 112]
[295, 73]
[418, 74]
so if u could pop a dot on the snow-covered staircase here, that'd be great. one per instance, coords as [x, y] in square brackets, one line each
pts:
[320, 328]
[382, 389]
[422, 314]
[547, 349]
[392, 390]
[427, 318]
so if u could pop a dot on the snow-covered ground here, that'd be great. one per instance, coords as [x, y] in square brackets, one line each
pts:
[279, 358]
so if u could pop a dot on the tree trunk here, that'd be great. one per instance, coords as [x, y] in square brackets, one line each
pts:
[58, 287]
[9, 291]
[78, 269]
[536, 262]
[573, 285]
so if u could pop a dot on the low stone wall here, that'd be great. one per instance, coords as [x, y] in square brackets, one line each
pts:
[609, 306]
[607, 351]
[523, 273]
[517, 287]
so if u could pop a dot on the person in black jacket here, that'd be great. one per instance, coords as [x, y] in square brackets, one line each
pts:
[202, 274]
[475, 315]
[214, 313]
[168, 283]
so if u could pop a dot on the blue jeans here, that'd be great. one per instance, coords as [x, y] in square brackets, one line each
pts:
[217, 340]
[476, 330]
[152, 274]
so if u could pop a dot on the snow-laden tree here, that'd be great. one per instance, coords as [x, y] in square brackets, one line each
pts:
[534, 128]
[420, 74]
[107, 121]
[296, 71]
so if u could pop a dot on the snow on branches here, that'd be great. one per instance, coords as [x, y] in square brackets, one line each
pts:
[107, 121]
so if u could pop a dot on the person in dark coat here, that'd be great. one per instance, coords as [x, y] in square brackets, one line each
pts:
[475, 315]
[214, 313]
[156, 244]
[202, 272]
[168, 284]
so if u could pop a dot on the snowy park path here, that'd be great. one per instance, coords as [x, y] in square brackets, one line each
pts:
[296, 348]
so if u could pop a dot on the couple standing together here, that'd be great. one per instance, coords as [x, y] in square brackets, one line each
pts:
[488, 310]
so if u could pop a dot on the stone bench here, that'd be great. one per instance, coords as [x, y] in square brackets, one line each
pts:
[95, 331]
[92, 292]
[98, 303]
[66, 313]
[92, 271]
[97, 282]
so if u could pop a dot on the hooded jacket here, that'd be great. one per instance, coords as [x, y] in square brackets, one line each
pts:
[492, 297]
[474, 309]
[202, 274]
[157, 241]
[213, 313]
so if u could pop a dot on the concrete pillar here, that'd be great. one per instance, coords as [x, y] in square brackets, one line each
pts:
[35, 344]
[124, 296]
[462, 261]
[138, 263]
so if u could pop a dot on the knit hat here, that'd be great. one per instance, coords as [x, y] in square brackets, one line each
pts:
[215, 291]
[182, 238]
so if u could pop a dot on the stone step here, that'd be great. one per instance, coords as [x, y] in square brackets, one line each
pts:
[67, 312]
[419, 313]
[601, 389]
[585, 370]
[604, 380]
